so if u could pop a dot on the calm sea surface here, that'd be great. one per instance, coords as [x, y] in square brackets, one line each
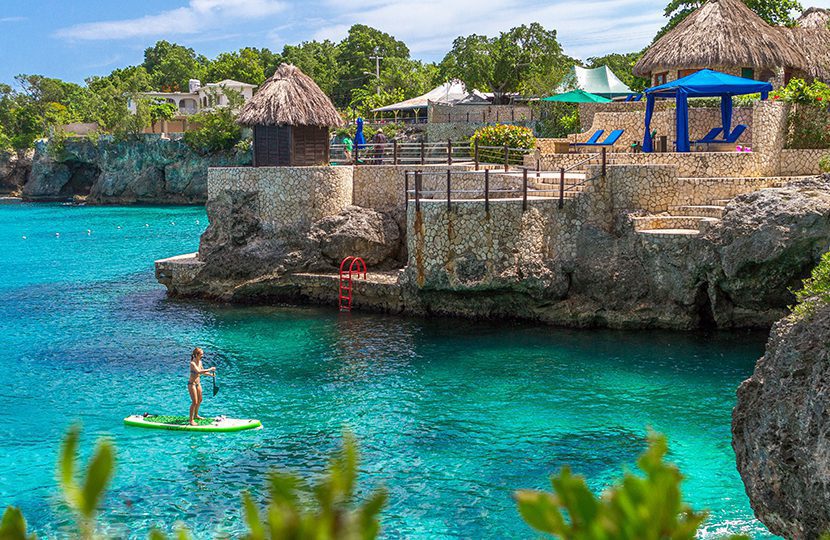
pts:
[451, 415]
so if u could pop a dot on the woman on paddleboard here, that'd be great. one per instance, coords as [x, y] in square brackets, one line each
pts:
[194, 385]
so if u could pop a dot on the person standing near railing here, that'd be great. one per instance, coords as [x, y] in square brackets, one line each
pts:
[378, 141]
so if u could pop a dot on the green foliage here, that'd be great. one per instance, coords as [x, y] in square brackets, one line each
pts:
[13, 525]
[623, 67]
[558, 120]
[527, 59]
[318, 60]
[245, 65]
[816, 290]
[217, 132]
[366, 99]
[501, 135]
[808, 123]
[824, 164]
[332, 515]
[646, 507]
[159, 109]
[356, 68]
[171, 66]
[775, 12]
[84, 498]
[5, 141]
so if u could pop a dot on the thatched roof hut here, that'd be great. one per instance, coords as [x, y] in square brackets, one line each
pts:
[814, 44]
[720, 34]
[291, 117]
[814, 17]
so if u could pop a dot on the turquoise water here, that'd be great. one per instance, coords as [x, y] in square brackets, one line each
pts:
[451, 415]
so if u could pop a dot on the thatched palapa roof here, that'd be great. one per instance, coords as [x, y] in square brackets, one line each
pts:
[814, 44]
[814, 17]
[721, 33]
[290, 98]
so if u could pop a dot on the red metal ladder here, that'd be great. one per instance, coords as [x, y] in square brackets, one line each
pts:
[356, 266]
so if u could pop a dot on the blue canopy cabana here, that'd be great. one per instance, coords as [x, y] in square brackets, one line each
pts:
[704, 83]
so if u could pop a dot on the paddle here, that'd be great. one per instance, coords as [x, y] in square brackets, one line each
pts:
[215, 388]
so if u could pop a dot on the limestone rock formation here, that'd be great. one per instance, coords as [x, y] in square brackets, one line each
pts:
[781, 429]
[357, 231]
[109, 171]
[14, 171]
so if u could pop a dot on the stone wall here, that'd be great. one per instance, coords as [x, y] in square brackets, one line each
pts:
[483, 114]
[287, 197]
[693, 164]
[801, 162]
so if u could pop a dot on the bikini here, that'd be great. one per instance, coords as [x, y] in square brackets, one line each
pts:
[196, 380]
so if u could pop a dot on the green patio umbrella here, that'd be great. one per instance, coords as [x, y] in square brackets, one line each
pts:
[577, 96]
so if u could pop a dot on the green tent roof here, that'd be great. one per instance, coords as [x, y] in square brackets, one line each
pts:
[577, 96]
[600, 81]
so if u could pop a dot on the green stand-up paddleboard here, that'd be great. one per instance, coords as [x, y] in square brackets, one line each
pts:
[219, 424]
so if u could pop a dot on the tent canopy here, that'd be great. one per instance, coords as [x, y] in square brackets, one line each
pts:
[448, 93]
[710, 83]
[704, 83]
[577, 96]
[600, 81]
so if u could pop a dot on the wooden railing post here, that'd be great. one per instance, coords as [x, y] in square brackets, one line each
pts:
[475, 152]
[418, 177]
[449, 189]
[538, 166]
[449, 152]
[603, 161]
[561, 187]
[406, 190]
[524, 189]
[506, 158]
[395, 152]
[487, 190]
[422, 153]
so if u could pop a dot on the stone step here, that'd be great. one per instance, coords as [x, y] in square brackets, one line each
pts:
[701, 210]
[673, 222]
[721, 202]
[668, 232]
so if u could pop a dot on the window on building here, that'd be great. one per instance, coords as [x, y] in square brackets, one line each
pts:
[685, 72]
[660, 78]
[747, 73]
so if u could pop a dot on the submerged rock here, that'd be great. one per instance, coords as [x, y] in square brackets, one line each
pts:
[781, 428]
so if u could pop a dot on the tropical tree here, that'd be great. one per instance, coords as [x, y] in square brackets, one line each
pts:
[244, 65]
[318, 60]
[354, 53]
[622, 64]
[526, 59]
[160, 110]
[171, 66]
[775, 12]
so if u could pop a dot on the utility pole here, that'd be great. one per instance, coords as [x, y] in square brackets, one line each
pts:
[377, 58]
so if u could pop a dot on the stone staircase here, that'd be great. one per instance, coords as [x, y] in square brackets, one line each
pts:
[689, 220]
[546, 185]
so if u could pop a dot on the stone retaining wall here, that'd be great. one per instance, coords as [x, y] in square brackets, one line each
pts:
[720, 164]
[288, 197]
[801, 162]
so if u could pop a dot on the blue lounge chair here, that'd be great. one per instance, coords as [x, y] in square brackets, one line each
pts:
[611, 139]
[629, 97]
[709, 137]
[638, 97]
[593, 140]
[733, 137]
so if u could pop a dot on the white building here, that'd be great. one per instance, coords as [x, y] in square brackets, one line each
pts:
[200, 97]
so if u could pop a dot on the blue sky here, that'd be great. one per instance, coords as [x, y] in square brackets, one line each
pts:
[73, 39]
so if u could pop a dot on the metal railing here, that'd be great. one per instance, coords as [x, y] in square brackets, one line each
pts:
[423, 153]
[414, 178]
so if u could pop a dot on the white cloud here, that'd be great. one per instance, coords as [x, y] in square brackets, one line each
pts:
[585, 28]
[196, 17]
[11, 19]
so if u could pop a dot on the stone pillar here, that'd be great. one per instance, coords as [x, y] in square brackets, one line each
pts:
[769, 126]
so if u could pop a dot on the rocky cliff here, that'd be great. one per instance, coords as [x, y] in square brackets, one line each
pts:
[148, 170]
[736, 275]
[781, 428]
[14, 171]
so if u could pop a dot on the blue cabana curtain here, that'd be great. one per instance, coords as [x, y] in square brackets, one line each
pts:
[704, 83]
[682, 114]
[726, 115]
[647, 142]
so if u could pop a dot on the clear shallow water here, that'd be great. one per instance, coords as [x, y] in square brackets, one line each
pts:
[451, 415]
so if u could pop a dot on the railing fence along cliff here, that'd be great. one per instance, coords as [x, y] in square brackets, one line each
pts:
[423, 153]
[417, 192]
